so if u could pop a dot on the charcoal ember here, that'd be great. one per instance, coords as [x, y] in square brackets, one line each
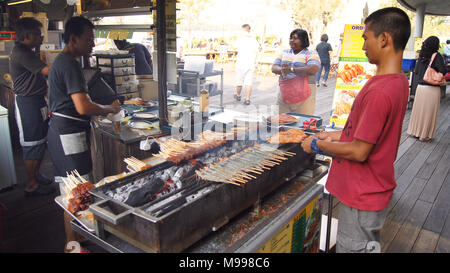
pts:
[144, 194]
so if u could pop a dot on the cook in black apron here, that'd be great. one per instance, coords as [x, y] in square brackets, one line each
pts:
[32, 122]
[69, 145]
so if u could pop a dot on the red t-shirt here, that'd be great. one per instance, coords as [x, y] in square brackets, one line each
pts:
[376, 117]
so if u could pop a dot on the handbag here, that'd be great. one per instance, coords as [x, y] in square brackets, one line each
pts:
[296, 89]
[432, 76]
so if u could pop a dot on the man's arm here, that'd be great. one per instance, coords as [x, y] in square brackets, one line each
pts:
[85, 106]
[330, 136]
[148, 56]
[357, 150]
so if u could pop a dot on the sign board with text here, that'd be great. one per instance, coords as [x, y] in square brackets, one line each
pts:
[353, 72]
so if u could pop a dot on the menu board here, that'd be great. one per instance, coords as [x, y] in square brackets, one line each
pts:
[353, 72]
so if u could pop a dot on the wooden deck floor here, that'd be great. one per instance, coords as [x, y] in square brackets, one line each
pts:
[418, 220]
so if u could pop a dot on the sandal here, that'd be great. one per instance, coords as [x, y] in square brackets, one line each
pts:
[247, 102]
[238, 98]
[39, 191]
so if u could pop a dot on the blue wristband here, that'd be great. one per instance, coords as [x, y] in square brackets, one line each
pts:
[314, 146]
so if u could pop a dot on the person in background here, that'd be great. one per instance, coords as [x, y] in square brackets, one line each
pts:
[71, 108]
[447, 52]
[362, 173]
[143, 58]
[324, 49]
[425, 110]
[247, 50]
[300, 63]
[28, 73]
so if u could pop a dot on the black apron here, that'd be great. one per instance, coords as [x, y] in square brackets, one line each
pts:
[32, 119]
[69, 145]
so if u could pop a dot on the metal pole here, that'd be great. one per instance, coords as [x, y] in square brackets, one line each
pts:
[420, 16]
[162, 61]
[329, 217]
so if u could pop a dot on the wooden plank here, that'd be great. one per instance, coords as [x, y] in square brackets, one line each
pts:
[432, 161]
[408, 175]
[404, 162]
[405, 238]
[399, 211]
[441, 208]
[405, 146]
[434, 185]
[426, 242]
[443, 245]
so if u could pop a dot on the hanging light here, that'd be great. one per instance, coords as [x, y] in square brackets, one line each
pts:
[19, 2]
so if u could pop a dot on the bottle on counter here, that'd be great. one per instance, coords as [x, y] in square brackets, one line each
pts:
[204, 100]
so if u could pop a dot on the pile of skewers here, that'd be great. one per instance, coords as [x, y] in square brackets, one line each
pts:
[177, 150]
[244, 166]
[135, 164]
[77, 192]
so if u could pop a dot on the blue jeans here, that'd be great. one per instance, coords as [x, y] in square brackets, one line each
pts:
[325, 75]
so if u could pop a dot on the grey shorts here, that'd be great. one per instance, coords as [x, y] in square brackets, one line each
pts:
[359, 230]
[35, 152]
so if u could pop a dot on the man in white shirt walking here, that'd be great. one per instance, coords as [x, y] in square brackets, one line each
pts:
[247, 50]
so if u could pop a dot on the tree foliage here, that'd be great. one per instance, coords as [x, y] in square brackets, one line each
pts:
[314, 16]
[433, 25]
[189, 14]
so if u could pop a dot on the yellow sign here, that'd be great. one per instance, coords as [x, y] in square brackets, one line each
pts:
[353, 72]
[120, 34]
[352, 42]
[296, 235]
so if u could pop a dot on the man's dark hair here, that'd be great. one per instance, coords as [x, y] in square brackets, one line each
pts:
[393, 21]
[26, 26]
[246, 25]
[302, 35]
[448, 41]
[75, 26]
[324, 38]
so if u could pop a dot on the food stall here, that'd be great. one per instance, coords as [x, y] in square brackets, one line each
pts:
[173, 175]
[236, 190]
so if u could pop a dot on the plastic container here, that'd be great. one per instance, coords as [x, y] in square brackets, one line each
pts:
[408, 64]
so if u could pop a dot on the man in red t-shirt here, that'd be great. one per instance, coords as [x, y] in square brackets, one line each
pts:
[362, 173]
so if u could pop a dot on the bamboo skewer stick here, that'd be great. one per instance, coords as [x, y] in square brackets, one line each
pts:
[78, 174]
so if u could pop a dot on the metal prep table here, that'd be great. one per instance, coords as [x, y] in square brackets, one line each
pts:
[275, 224]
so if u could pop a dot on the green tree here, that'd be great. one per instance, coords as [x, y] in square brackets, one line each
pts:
[314, 16]
[189, 14]
[433, 25]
